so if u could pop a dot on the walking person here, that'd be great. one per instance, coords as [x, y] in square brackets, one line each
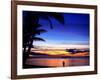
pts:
[63, 63]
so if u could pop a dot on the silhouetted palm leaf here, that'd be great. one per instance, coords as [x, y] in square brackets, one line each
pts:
[38, 39]
[58, 16]
[39, 31]
[46, 15]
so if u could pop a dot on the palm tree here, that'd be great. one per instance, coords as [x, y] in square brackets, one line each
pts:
[31, 28]
[31, 23]
[34, 37]
[29, 41]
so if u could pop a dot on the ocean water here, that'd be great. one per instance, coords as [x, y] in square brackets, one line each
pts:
[58, 62]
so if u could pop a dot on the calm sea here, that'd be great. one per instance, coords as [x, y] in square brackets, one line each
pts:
[58, 62]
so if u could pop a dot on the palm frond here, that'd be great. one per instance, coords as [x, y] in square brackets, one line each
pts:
[58, 16]
[45, 16]
[37, 39]
[38, 31]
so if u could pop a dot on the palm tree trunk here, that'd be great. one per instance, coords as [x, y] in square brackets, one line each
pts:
[36, 21]
[24, 49]
[30, 45]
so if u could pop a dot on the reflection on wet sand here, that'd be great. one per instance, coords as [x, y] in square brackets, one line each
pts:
[58, 62]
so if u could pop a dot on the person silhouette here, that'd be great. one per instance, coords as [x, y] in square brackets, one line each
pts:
[63, 63]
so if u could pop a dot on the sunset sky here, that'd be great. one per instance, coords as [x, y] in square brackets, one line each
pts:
[74, 33]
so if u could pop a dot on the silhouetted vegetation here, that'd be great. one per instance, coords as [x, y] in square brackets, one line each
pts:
[31, 28]
[74, 51]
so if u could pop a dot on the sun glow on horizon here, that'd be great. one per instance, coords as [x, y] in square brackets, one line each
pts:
[61, 46]
[53, 52]
[60, 50]
[62, 53]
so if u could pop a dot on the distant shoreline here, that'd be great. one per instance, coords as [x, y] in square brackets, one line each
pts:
[62, 57]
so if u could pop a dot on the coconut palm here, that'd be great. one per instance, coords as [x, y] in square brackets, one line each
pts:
[31, 28]
[35, 38]
[29, 38]
[31, 23]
